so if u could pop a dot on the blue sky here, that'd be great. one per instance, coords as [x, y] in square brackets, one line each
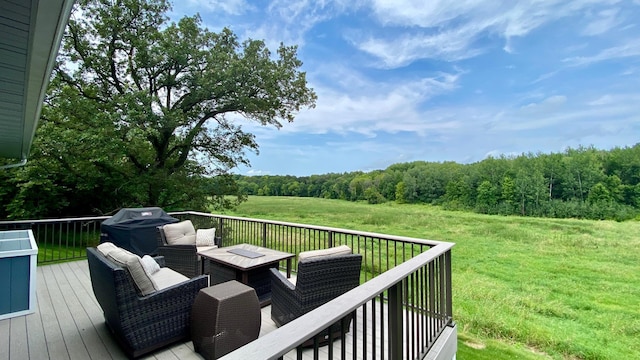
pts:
[442, 80]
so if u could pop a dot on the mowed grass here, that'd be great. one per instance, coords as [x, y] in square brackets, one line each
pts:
[524, 288]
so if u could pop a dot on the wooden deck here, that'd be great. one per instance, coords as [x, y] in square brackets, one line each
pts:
[69, 324]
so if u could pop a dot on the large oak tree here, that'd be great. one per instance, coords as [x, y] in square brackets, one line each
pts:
[140, 109]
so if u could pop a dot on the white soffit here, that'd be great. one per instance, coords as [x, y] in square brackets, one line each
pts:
[30, 36]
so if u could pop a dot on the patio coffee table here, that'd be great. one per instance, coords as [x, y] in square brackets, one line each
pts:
[246, 263]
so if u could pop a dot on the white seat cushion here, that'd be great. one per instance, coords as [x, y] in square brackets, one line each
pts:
[338, 250]
[166, 277]
[182, 233]
[206, 237]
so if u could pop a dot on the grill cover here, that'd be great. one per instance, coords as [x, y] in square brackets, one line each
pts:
[135, 229]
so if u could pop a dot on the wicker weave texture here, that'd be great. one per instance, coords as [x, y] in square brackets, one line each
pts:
[319, 280]
[224, 317]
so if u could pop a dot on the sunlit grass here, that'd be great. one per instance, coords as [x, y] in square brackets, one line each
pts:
[522, 286]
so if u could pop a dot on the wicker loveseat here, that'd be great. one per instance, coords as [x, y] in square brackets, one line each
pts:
[322, 276]
[142, 323]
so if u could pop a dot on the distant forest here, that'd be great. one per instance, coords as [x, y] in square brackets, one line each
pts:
[578, 183]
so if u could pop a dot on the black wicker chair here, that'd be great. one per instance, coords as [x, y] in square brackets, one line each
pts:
[182, 258]
[141, 324]
[319, 280]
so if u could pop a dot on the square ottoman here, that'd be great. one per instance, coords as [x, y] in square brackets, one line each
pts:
[224, 317]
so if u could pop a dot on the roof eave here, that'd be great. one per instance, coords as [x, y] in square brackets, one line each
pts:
[50, 19]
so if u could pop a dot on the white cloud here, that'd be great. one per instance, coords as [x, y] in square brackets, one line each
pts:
[442, 29]
[605, 21]
[556, 112]
[289, 21]
[374, 107]
[602, 100]
[629, 49]
[254, 172]
[231, 7]
[451, 45]
[371, 108]
[546, 76]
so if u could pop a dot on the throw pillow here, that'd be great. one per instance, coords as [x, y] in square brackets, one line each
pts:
[149, 265]
[182, 233]
[338, 250]
[206, 237]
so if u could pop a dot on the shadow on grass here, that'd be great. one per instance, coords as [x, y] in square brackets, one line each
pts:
[475, 349]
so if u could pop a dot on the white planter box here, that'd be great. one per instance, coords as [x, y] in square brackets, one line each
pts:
[18, 258]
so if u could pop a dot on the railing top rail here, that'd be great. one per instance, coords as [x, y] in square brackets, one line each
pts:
[43, 221]
[274, 222]
[318, 227]
[299, 330]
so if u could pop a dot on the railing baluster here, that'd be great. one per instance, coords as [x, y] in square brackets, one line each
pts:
[414, 318]
[354, 342]
[374, 330]
[382, 327]
[432, 297]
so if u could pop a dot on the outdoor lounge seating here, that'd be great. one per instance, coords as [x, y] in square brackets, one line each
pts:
[179, 244]
[322, 276]
[142, 323]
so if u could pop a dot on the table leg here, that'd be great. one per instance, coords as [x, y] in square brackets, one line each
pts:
[245, 277]
[288, 268]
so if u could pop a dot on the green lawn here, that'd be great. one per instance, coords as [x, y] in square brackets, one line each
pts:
[524, 288]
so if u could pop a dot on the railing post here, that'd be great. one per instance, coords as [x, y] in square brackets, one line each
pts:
[395, 322]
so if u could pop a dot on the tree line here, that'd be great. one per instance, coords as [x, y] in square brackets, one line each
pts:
[578, 183]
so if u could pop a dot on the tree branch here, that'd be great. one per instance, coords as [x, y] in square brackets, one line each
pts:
[132, 70]
[65, 78]
[112, 63]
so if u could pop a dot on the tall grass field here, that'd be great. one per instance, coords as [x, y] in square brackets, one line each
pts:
[523, 288]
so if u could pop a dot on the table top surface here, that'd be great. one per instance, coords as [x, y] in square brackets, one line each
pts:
[223, 256]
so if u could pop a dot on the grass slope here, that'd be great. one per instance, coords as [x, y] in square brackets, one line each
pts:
[524, 288]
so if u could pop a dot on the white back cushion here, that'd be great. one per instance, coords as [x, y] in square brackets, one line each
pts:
[182, 233]
[338, 250]
[105, 248]
[133, 263]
